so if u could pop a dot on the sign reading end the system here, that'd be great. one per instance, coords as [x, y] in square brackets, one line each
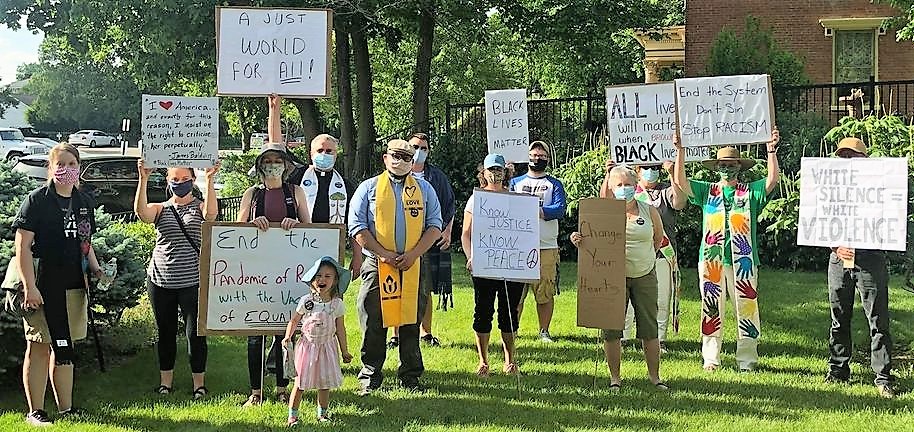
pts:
[724, 110]
[859, 203]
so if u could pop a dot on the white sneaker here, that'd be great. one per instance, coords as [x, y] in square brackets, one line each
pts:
[545, 336]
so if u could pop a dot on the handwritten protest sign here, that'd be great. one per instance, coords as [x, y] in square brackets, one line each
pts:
[724, 110]
[251, 280]
[860, 203]
[601, 264]
[283, 51]
[180, 131]
[506, 235]
[506, 124]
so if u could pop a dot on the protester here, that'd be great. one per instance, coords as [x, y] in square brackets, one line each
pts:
[54, 226]
[666, 200]
[866, 273]
[396, 218]
[552, 208]
[643, 237]
[435, 276]
[317, 359]
[728, 256]
[173, 276]
[487, 290]
[271, 201]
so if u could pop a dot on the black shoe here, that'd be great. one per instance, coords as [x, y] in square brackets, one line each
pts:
[832, 379]
[431, 340]
[413, 386]
[71, 412]
[393, 342]
[38, 418]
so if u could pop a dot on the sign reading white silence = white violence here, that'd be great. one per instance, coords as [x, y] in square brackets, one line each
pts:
[859, 203]
[641, 123]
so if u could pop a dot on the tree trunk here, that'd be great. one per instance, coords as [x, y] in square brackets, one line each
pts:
[246, 131]
[344, 95]
[310, 115]
[366, 133]
[423, 71]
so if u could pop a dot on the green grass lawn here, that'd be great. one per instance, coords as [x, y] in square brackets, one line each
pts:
[558, 389]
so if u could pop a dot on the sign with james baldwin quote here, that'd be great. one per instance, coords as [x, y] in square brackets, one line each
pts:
[507, 130]
[641, 123]
[180, 131]
[262, 51]
[506, 235]
[251, 280]
[860, 203]
[724, 110]
[601, 264]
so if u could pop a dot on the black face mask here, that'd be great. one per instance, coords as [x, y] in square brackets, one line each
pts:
[538, 165]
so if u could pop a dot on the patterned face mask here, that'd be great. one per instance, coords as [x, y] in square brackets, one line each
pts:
[66, 176]
[274, 169]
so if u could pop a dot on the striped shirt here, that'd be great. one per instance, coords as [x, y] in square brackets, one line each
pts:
[175, 264]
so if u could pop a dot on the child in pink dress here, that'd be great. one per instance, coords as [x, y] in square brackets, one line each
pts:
[317, 359]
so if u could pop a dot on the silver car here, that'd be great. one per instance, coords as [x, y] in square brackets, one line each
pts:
[92, 138]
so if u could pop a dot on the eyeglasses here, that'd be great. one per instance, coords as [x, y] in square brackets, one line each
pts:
[400, 156]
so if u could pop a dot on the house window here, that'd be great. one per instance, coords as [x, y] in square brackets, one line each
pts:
[854, 55]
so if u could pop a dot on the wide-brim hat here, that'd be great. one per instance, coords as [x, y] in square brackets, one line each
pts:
[278, 148]
[729, 154]
[851, 143]
[343, 275]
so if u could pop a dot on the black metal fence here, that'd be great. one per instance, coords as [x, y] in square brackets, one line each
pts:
[228, 211]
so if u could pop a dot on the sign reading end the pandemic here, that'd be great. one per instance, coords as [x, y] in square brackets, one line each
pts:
[601, 264]
[507, 130]
[724, 110]
[262, 51]
[641, 121]
[251, 280]
[180, 131]
[506, 236]
[859, 203]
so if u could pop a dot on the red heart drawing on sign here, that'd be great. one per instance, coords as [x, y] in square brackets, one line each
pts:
[166, 104]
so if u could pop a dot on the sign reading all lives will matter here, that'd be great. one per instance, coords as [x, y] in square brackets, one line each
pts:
[180, 131]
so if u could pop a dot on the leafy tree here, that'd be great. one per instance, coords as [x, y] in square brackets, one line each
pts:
[26, 70]
[754, 51]
[6, 99]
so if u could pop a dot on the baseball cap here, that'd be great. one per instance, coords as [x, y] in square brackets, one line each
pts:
[542, 144]
[494, 160]
[400, 145]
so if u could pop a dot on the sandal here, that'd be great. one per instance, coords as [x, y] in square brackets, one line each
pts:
[253, 400]
[710, 367]
[200, 392]
[163, 390]
[511, 369]
[483, 370]
[431, 340]
[660, 385]
[282, 397]
[393, 342]
[615, 388]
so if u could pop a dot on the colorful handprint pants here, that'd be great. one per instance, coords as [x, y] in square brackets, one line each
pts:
[746, 315]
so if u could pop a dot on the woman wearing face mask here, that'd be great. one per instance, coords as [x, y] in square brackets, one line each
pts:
[728, 256]
[487, 290]
[643, 237]
[272, 201]
[173, 276]
[54, 226]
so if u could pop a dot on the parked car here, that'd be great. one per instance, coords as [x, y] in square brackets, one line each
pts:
[110, 179]
[92, 138]
[14, 146]
[47, 142]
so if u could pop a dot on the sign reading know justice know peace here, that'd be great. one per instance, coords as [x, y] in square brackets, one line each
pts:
[860, 203]
[262, 51]
[251, 280]
[641, 121]
[180, 131]
[506, 235]
[724, 110]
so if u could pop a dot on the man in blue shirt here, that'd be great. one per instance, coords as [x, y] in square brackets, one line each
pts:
[364, 228]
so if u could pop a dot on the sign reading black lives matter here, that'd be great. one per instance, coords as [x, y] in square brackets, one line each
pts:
[180, 131]
[724, 110]
[641, 121]
[860, 203]
[507, 130]
[262, 51]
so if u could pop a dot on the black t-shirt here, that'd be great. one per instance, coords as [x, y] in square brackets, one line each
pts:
[55, 221]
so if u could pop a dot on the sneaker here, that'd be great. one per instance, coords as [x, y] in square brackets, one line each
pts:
[71, 412]
[413, 386]
[38, 418]
[431, 340]
[282, 397]
[886, 391]
[663, 349]
[833, 379]
[545, 336]
[292, 422]
[393, 342]
[323, 418]
[367, 390]
[253, 401]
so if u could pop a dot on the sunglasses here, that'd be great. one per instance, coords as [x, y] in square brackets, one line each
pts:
[400, 156]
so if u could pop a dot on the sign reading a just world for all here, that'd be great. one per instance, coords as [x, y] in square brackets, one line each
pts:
[506, 236]
[601, 264]
[641, 121]
[262, 51]
[506, 124]
[724, 110]
[180, 131]
[251, 280]
[860, 203]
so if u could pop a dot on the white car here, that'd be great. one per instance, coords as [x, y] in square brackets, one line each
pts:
[13, 145]
[47, 142]
[92, 138]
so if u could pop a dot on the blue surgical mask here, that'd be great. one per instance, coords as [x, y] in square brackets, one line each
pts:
[181, 189]
[626, 193]
[650, 175]
[324, 161]
[420, 156]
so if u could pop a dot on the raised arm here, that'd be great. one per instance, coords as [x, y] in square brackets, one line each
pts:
[678, 199]
[274, 124]
[210, 201]
[604, 187]
[679, 176]
[774, 170]
[145, 211]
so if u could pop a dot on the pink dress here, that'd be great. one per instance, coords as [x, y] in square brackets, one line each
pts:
[317, 356]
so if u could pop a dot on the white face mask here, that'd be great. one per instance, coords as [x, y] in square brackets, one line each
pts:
[274, 169]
